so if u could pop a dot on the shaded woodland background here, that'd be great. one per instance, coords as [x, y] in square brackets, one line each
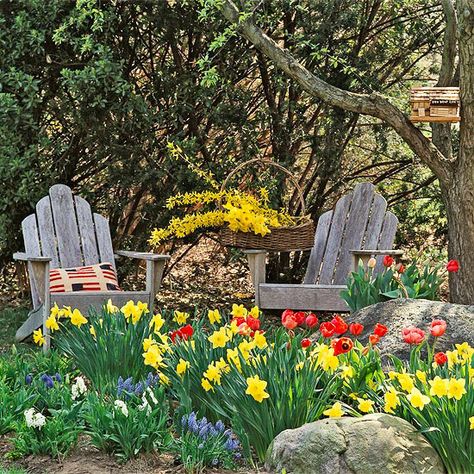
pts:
[92, 92]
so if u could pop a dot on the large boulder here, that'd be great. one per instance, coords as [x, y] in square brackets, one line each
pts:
[372, 444]
[401, 313]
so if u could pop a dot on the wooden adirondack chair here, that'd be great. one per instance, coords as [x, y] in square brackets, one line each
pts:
[64, 233]
[358, 228]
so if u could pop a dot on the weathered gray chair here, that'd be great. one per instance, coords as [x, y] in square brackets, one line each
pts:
[358, 228]
[63, 233]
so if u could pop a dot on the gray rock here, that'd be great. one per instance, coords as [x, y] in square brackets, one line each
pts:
[401, 313]
[372, 444]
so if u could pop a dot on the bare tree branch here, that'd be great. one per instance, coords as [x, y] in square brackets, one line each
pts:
[372, 104]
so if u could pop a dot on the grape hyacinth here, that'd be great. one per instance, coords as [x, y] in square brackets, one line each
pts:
[127, 387]
[48, 380]
[205, 430]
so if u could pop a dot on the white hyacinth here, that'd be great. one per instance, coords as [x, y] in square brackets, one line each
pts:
[78, 388]
[34, 419]
[121, 405]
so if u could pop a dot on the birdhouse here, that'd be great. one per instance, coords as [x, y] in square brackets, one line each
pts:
[435, 104]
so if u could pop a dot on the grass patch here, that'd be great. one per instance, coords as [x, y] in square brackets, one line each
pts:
[12, 470]
[10, 320]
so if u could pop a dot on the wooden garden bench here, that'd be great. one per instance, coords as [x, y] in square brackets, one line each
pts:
[64, 233]
[358, 228]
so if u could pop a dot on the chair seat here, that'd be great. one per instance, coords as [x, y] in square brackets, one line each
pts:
[302, 297]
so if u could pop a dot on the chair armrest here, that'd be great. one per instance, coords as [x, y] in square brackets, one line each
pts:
[154, 257]
[26, 258]
[376, 252]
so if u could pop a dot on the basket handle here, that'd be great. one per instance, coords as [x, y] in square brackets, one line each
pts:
[266, 161]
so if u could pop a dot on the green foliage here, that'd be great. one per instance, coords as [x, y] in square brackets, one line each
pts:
[365, 288]
[445, 418]
[298, 392]
[56, 438]
[115, 350]
[129, 427]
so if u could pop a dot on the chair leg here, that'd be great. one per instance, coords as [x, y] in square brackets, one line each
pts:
[154, 275]
[257, 263]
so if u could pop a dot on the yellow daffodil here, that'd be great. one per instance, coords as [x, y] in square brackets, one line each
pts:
[180, 317]
[77, 319]
[213, 374]
[218, 338]
[110, 307]
[299, 366]
[439, 387]
[335, 411]
[471, 421]
[147, 343]
[66, 312]
[260, 340]
[453, 358]
[134, 311]
[421, 376]
[255, 312]
[38, 337]
[92, 331]
[456, 388]
[417, 399]
[256, 388]
[214, 316]
[391, 400]
[347, 372]
[153, 357]
[238, 311]
[157, 323]
[164, 380]
[52, 324]
[182, 366]
[406, 382]
[56, 312]
[206, 385]
[365, 406]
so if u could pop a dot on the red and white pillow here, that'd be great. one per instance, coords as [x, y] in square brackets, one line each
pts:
[100, 277]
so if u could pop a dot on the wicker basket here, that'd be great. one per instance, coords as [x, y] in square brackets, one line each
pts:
[280, 239]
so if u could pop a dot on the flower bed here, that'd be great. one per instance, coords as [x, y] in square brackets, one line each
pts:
[215, 389]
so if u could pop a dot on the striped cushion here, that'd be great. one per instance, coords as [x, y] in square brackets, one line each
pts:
[100, 277]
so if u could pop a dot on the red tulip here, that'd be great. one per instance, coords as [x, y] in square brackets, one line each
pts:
[239, 321]
[311, 321]
[356, 329]
[288, 319]
[186, 331]
[440, 358]
[374, 339]
[305, 343]
[388, 261]
[342, 345]
[253, 323]
[438, 327]
[452, 266]
[413, 335]
[400, 268]
[327, 329]
[340, 326]
[300, 317]
[380, 330]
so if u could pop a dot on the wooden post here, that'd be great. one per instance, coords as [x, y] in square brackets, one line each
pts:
[257, 263]
[154, 274]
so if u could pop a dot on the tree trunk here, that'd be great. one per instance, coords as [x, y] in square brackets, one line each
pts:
[459, 191]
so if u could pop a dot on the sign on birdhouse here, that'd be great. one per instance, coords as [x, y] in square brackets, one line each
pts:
[435, 104]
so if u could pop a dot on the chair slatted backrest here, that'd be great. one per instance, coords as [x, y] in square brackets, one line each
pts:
[65, 229]
[359, 221]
